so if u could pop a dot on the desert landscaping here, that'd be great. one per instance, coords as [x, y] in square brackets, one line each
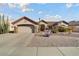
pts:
[39, 30]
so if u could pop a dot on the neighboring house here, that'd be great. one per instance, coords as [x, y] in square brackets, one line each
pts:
[55, 25]
[25, 24]
[74, 25]
[61, 24]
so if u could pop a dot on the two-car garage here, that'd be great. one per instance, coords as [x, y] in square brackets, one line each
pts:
[26, 28]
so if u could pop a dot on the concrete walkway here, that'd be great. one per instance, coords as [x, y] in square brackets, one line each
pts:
[39, 51]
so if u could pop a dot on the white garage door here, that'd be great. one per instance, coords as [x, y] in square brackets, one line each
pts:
[24, 29]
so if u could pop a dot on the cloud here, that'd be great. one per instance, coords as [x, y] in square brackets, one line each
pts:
[53, 18]
[27, 10]
[24, 10]
[21, 5]
[57, 16]
[12, 5]
[40, 12]
[69, 5]
[24, 7]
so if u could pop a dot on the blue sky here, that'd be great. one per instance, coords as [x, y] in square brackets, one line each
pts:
[46, 11]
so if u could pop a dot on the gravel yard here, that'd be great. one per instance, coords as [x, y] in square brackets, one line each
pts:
[32, 40]
[54, 41]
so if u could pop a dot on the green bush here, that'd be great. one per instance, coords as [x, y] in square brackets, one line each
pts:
[62, 29]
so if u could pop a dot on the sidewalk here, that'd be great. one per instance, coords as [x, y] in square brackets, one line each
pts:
[39, 51]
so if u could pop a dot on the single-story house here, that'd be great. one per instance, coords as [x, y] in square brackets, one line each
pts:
[74, 25]
[61, 24]
[25, 24]
[58, 24]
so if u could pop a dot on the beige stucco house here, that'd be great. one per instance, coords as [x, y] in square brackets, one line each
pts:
[25, 24]
[61, 24]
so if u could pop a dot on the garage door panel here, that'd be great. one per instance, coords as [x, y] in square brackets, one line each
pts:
[23, 29]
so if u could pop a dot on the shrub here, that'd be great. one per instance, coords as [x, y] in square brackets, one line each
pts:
[62, 29]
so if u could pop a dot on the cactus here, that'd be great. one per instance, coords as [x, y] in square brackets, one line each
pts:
[7, 24]
[3, 25]
[0, 25]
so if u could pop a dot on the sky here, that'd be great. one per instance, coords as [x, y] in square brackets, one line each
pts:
[44, 11]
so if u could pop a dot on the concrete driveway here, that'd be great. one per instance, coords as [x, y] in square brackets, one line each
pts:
[23, 44]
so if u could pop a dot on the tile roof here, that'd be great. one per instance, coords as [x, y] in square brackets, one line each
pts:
[26, 18]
